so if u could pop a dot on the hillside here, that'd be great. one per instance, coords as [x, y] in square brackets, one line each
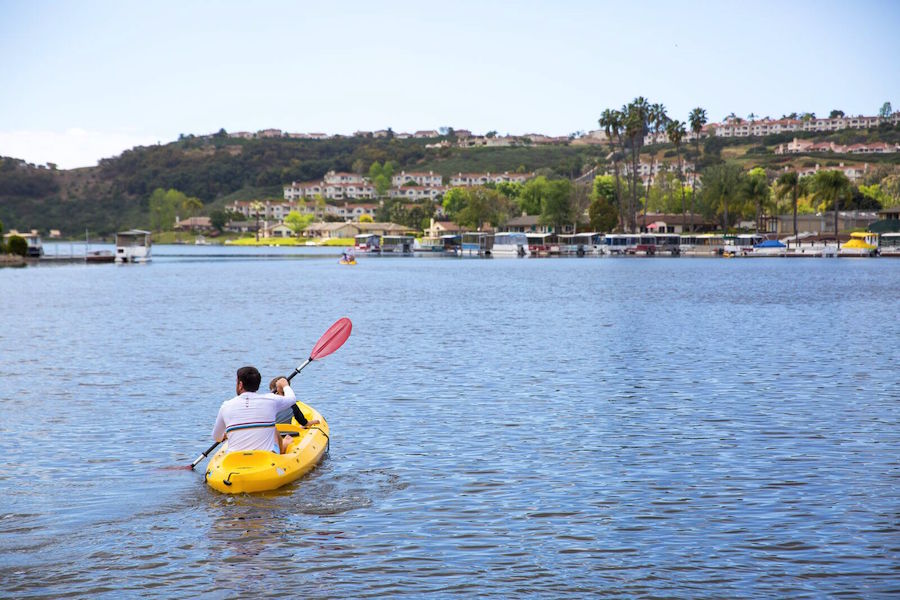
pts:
[114, 195]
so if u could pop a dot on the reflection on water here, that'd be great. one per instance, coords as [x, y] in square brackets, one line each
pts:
[505, 427]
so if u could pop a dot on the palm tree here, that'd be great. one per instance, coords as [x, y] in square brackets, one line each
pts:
[611, 122]
[830, 186]
[656, 122]
[675, 130]
[789, 183]
[723, 182]
[757, 190]
[636, 116]
[255, 208]
[697, 119]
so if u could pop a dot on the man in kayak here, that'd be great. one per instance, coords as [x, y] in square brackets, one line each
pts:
[248, 419]
[284, 415]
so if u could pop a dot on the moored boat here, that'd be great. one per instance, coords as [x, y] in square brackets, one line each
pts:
[769, 248]
[428, 244]
[542, 244]
[133, 246]
[862, 243]
[889, 244]
[262, 470]
[510, 243]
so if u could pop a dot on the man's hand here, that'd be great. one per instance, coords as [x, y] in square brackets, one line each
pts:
[280, 385]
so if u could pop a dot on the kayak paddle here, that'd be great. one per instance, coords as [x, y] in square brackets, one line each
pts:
[330, 341]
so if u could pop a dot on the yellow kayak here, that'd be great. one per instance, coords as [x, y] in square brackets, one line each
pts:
[261, 470]
[347, 262]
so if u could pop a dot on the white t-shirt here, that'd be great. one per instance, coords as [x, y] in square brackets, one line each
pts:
[248, 420]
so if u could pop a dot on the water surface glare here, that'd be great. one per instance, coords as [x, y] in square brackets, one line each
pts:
[586, 427]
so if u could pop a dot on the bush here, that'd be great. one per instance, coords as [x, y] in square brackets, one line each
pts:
[758, 150]
[17, 245]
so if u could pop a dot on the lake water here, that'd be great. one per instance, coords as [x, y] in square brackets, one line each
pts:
[558, 428]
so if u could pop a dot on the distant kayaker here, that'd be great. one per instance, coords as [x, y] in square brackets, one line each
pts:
[285, 415]
[248, 419]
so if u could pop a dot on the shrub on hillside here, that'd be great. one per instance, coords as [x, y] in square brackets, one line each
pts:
[758, 150]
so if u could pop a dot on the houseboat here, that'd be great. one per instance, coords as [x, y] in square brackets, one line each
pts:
[367, 242]
[542, 244]
[580, 244]
[397, 244]
[703, 244]
[477, 243]
[889, 244]
[862, 243]
[742, 244]
[451, 244]
[35, 247]
[651, 244]
[621, 243]
[133, 246]
[510, 243]
[809, 245]
[428, 244]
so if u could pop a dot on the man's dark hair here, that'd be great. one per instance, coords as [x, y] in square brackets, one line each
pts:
[250, 377]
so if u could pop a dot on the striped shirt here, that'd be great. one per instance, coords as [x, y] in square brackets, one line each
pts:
[248, 420]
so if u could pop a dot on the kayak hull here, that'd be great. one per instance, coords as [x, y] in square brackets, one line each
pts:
[260, 470]
[347, 262]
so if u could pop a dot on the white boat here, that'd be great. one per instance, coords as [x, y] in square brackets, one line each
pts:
[581, 244]
[451, 243]
[397, 244]
[861, 243]
[769, 248]
[701, 244]
[133, 246]
[742, 244]
[621, 243]
[542, 244]
[889, 244]
[428, 244]
[510, 243]
[367, 242]
[651, 244]
[477, 243]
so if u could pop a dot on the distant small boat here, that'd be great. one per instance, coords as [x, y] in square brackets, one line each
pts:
[347, 262]
[201, 241]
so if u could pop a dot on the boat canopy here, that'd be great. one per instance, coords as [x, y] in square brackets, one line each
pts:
[770, 244]
[858, 243]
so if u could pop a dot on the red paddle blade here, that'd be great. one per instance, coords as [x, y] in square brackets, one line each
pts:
[332, 339]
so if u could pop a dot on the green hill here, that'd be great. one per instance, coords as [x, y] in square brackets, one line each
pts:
[218, 169]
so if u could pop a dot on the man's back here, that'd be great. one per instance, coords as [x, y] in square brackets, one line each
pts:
[249, 420]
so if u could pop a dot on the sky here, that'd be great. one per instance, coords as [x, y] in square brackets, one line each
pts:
[80, 81]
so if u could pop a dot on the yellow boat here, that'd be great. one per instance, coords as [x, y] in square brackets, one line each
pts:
[862, 243]
[261, 470]
[347, 262]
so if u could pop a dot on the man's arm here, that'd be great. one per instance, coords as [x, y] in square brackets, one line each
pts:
[218, 432]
